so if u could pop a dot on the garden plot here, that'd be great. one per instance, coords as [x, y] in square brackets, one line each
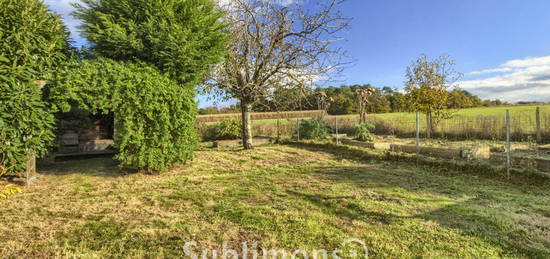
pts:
[523, 155]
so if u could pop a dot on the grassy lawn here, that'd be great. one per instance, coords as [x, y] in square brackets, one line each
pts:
[278, 196]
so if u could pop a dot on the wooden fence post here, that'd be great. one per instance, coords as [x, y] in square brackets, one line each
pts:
[539, 135]
[30, 167]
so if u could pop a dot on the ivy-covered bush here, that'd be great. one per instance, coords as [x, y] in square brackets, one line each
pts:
[154, 117]
[33, 42]
[314, 128]
[228, 128]
[363, 131]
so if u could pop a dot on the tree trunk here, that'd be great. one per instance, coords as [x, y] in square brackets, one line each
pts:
[429, 125]
[247, 131]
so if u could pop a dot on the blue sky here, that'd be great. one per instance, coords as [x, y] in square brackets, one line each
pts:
[502, 46]
[479, 34]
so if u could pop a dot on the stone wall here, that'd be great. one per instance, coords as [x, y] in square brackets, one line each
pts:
[526, 162]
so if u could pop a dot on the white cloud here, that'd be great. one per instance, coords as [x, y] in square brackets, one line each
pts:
[525, 79]
[528, 62]
[490, 71]
[64, 8]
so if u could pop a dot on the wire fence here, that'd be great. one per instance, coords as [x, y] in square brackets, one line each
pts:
[512, 140]
[516, 140]
[523, 126]
[488, 127]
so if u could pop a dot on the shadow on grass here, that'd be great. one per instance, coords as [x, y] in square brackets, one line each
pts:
[498, 228]
[514, 218]
[347, 207]
[436, 166]
[97, 166]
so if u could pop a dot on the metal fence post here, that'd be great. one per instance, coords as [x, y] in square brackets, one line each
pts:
[417, 133]
[298, 129]
[278, 130]
[539, 135]
[508, 146]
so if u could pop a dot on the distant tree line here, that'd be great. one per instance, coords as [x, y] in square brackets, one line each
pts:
[233, 108]
[383, 100]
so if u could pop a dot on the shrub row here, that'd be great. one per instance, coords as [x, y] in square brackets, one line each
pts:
[314, 128]
[228, 128]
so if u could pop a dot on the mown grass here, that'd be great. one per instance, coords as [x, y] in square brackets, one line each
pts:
[280, 197]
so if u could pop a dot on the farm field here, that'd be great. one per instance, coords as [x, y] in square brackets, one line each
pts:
[486, 123]
[280, 197]
[483, 111]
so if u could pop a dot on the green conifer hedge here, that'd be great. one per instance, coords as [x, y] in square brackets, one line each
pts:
[33, 42]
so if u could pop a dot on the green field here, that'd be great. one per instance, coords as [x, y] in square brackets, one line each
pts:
[484, 111]
[278, 196]
[474, 123]
[516, 110]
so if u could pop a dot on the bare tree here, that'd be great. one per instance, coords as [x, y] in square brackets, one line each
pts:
[277, 45]
[363, 96]
[323, 102]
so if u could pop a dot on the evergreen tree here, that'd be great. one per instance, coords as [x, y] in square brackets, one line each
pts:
[183, 38]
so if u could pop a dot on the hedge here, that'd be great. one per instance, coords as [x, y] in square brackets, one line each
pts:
[154, 116]
[33, 42]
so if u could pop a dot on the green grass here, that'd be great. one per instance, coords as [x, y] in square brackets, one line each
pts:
[516, 110]
[280, 197]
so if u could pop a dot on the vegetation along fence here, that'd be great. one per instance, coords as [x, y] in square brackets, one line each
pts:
[489, 124]
[516, 140]
[260, 115]
[524, 125]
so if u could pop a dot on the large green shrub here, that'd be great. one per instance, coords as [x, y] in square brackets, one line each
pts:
[363, 131]
[228, 128]
[183, 38]
[154, 117]
[33, 42]
[26, 125]
[314, 128]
